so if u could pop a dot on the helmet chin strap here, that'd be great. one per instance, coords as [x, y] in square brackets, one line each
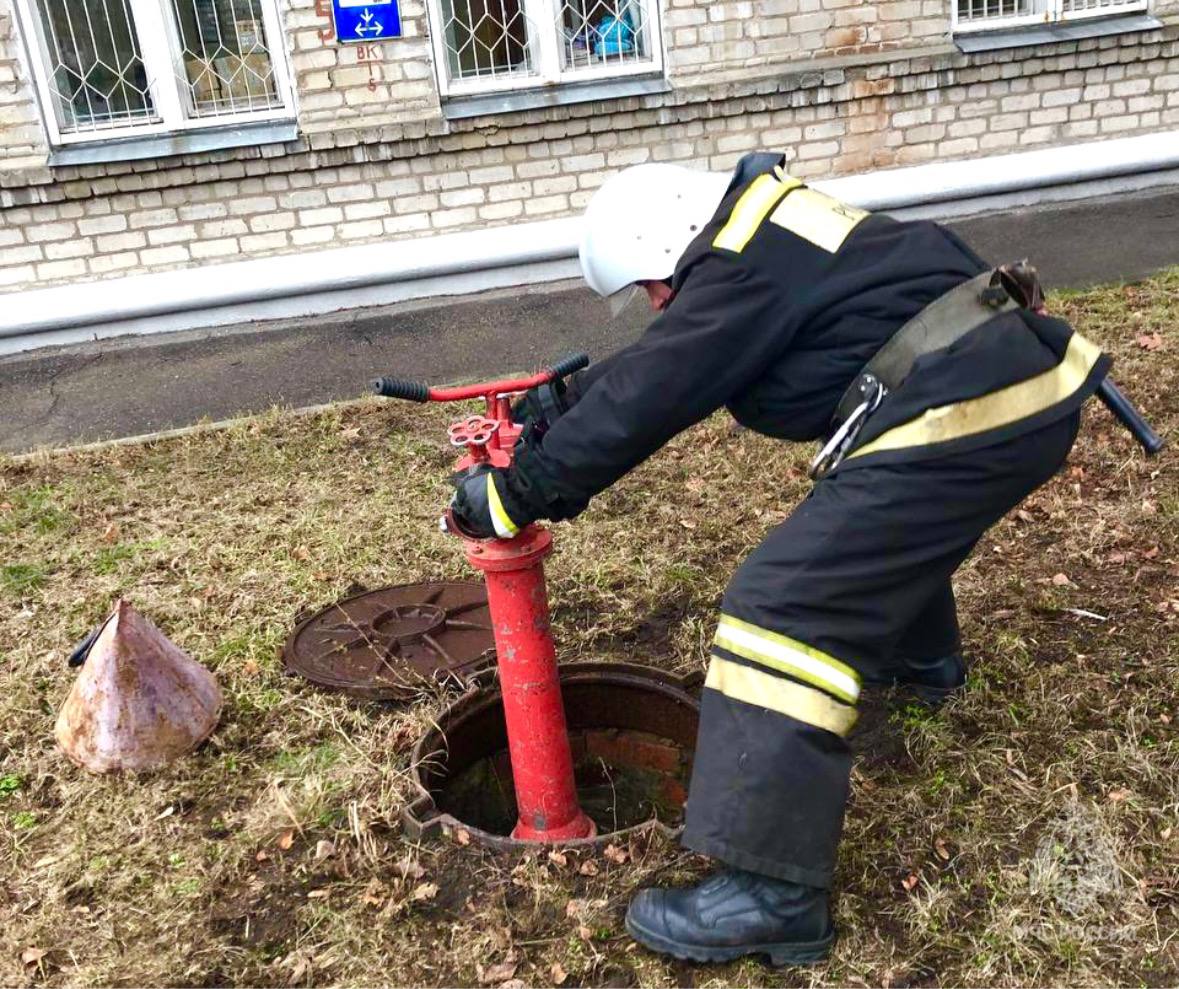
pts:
[621, 299]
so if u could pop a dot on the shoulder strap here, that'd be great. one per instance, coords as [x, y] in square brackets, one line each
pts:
[944, 321]
[751, 166]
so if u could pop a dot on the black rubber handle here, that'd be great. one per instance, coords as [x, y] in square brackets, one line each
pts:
[1123, 409]
[82, 649]
[411, 391]
[569, 365]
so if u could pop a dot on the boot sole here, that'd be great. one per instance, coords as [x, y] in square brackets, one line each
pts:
[930, 696]
[933, 696]
[790, 953]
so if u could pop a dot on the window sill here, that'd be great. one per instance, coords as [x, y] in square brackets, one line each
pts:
[181, 143]
[463, 107]
[1044, 34]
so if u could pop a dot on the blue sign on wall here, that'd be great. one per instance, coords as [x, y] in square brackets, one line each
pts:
[365, 21]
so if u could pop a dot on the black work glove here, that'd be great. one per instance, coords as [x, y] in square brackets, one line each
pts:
[545, 404]
[483, 505]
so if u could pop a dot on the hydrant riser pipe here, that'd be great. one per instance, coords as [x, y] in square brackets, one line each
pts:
[538, 740]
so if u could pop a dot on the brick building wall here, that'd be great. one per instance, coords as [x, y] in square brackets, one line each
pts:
[22, 139]
[868, 86]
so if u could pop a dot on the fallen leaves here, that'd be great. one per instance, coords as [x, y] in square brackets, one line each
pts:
[588, 868]
[323, 850]
[375, 894]
[1150, 341]
[615, 854]
[423, 892]
[285, 840]
[559, 859]
[31, 956]
[1061, 580]
[409, 867]
[942, 850]
[557, 974]
[497, 974]
[910, 882]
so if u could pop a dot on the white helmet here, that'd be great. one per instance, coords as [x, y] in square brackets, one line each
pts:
[641, 220]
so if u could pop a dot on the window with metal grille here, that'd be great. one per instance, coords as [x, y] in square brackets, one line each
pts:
[118, 68]
[986, 15]
[483, 45]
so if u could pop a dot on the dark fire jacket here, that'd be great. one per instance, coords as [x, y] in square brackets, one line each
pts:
[779, 302]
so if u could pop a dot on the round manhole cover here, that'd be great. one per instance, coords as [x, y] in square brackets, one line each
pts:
[394, 642]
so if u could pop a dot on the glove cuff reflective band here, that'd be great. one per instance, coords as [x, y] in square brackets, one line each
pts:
[505, 528]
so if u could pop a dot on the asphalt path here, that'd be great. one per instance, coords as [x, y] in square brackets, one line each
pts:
[136, 385]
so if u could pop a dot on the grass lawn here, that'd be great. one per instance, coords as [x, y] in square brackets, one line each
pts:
[1028, 833]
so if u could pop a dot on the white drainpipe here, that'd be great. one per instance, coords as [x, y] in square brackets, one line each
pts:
[521, 254]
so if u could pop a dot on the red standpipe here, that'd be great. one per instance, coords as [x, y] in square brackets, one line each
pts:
[538, 741]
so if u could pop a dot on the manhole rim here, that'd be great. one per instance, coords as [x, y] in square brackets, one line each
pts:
[422, 819]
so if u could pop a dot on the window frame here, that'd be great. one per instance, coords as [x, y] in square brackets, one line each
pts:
[158, 37]
[549, 70]
[1053, 13]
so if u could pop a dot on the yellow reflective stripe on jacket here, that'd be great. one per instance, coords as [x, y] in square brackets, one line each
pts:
[817, 218]
[505, 528]
[750, 210]
[750, 686]
[996, 409]
[780, 652]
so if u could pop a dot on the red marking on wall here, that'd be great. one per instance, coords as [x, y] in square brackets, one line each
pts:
[323, 8]
[370, 55]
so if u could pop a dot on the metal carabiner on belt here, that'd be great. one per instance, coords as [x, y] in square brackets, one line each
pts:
[836, 448]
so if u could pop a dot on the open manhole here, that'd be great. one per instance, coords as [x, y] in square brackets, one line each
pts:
[392, 643]
[632, 731]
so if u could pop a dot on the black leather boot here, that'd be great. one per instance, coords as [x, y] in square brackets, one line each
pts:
[932, 681]
[732, 914]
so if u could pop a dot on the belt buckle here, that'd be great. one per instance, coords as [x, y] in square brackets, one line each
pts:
[836, 448]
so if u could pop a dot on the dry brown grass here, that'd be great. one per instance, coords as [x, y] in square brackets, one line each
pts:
[1025, 835]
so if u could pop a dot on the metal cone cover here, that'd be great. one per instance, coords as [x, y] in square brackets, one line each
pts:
[139, 702]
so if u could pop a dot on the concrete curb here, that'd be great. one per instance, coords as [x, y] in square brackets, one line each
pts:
[527, 253]
[143, 439]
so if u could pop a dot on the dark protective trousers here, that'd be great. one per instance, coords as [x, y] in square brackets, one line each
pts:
[857, 575]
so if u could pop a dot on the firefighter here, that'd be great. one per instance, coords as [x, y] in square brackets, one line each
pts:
[944, 396]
